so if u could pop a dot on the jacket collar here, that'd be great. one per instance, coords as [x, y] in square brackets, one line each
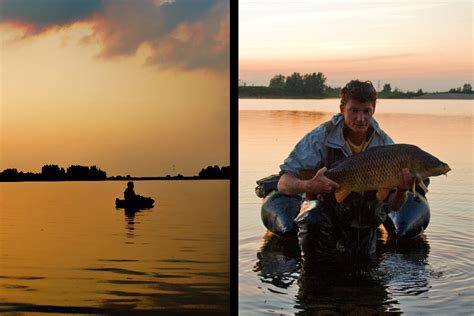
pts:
[336, 140]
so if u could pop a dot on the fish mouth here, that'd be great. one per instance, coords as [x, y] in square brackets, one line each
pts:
[446, 169]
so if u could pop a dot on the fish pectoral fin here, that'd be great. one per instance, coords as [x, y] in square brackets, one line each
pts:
[423, 186]
[341, 194]
[382, 194]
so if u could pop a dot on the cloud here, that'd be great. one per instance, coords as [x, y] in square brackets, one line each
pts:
[187, 34]
[200, 44]
[39, 15]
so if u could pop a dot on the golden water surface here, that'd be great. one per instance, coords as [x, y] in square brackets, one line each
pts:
[65, 248]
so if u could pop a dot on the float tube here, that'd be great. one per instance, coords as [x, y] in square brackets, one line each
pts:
[279, 211]
[141, 203]
[411, 220]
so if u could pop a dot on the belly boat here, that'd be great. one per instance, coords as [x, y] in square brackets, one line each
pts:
[141, 203]
[279, 212]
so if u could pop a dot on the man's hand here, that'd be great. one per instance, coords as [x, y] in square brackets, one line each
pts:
[320, 183]
[291, 185]
[407, 182]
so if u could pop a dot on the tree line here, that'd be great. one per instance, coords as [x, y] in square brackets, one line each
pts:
[466, 88]
[55, 173]
[85, 173]
[388, 93]
[313, 85]
[215, 173]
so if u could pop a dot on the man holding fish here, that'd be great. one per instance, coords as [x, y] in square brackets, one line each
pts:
[355, 195]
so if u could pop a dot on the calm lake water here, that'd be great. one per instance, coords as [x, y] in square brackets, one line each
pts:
[64, 248]
[431, 275]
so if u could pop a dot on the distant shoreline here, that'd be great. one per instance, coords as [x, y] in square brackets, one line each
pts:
[428, 96]
[53, 173]
[125, 179]
[447, 96]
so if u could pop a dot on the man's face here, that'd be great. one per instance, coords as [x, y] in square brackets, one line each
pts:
[357, 115]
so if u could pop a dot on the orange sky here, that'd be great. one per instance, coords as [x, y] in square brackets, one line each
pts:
[410, 44]
[107, 90]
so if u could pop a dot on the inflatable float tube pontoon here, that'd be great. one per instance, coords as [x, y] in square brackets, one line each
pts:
[141, 203]
[279, 212]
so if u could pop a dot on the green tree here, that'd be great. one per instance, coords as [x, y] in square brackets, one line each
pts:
[278, 81]
[314, 84]
[294, 84]
[387, 88]
[467, 88]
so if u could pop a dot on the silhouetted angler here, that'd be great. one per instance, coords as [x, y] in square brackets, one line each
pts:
[133, 201]
[129, 193]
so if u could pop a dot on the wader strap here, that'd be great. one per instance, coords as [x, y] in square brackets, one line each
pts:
[334, 155]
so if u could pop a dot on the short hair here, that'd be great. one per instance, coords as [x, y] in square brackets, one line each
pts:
[360, 91]
[130, 184]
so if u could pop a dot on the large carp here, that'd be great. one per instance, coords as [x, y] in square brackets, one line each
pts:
[378, 168]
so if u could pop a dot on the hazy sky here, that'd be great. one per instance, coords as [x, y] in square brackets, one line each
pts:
[411, 44]
[134, 87]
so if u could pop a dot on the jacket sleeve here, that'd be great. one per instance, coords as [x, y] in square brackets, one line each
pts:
[307, 154]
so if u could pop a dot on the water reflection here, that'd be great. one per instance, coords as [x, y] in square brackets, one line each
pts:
[171, 298]
[400, 268]
[130, 220]
[404, 265]
[55, 259]
[169, 290]
[278, 261]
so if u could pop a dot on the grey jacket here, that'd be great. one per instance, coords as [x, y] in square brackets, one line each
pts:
[312, 150]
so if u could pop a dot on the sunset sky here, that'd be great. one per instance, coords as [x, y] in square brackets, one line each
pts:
[411, 44]
[134, 87]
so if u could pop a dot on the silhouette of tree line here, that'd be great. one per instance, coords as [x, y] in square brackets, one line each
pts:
[466, 88]
[396, 93]
[81, 173]
[313, 85]
[215, 173]
[55, 173]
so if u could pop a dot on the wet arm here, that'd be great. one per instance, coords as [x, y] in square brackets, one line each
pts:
[292, 185]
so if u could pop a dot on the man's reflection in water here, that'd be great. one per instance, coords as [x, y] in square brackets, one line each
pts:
[130, 220]
[405, 265]
[278, 260]
[342, 288]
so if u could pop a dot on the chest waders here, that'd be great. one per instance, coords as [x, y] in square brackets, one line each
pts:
[348, 230]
